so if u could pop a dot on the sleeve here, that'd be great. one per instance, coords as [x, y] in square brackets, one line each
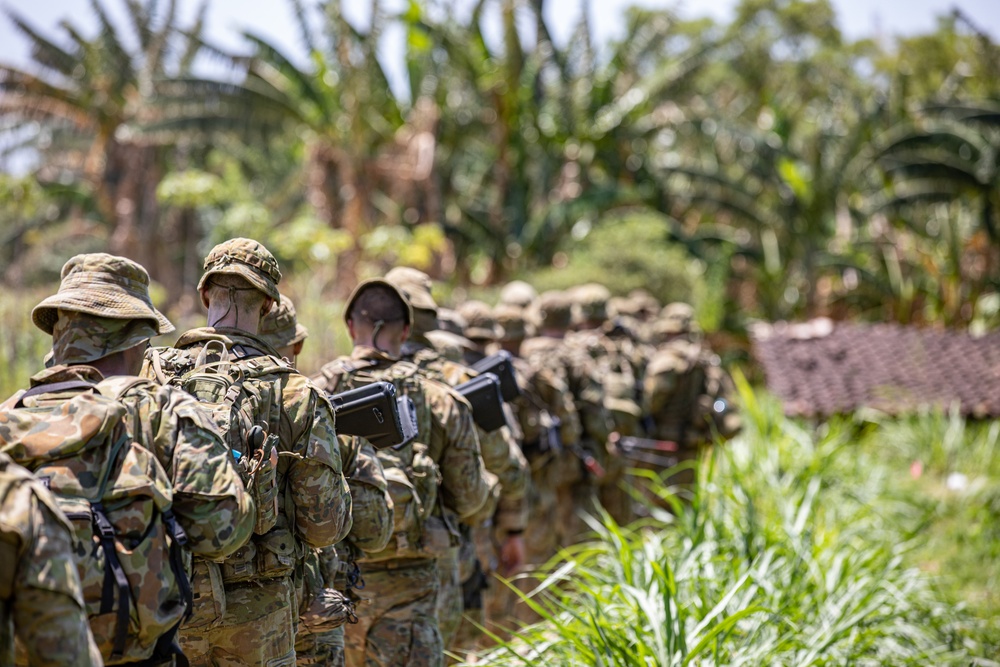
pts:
[316, 484]
[372, 505]
[210, 502]
[512, 509]
[50, 620]
[465, 486]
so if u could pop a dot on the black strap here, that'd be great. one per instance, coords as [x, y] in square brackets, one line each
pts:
[179, 541]
[111, 562]
[54, 388]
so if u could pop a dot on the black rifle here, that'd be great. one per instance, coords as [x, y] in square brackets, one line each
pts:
[484, 394]
[375, 413]
[646, 450]
[501, 364]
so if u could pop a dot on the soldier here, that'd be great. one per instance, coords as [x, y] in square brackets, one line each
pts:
[41, 601]
[686, 391]
[548, 420]
[101, 321]
[579, 477]
[246, 609]
[326, 600]
[617, 357]
[501, 454]
[438, 476]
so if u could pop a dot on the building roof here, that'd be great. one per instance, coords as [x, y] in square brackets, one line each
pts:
[820, 368]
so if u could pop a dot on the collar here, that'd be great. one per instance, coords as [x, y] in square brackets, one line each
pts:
[64, 373]
[229, 336]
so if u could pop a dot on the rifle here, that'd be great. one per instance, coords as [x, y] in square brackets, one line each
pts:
[375, 413]
[646, 450]
[501, 364]
[484, 394]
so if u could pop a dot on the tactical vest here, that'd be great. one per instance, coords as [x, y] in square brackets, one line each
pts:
[126, 541]
[411, 474]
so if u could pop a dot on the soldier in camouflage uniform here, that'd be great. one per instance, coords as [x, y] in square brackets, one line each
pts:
[326, 587]
[617, 355]
[583, 465]
[400, 625]
[501, 454]
[246, 606]
[686, 390]
[41, 602]
[101, 321]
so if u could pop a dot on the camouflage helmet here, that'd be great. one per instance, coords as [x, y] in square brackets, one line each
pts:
[415, 285]
[451, 321]
[280, 327]
[518, 293]
[482, 325]
[590, 302]
[512, 320]
[371, 282]
[555, 310]
[676, 318]
[247, 259]
[102, 286]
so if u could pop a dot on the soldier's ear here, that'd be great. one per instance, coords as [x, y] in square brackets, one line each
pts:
[266, 308]
[204, 296]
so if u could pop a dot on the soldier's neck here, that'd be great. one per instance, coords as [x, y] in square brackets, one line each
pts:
[116, 364]
[221, 315]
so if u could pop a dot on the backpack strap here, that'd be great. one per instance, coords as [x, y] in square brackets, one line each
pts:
[53, 388]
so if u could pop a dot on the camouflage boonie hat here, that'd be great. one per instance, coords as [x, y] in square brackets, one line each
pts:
[645, 304]
[280, 328]
[591, 302]
[451, 321]
[415, 285]
[104, 286]
[676, 318]
[512, 320]
[555, 310]
[365, 284]
[247, 259]
[482, 325]
[518, 293]
[619, 306]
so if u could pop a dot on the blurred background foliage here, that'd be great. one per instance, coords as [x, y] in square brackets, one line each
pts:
[765, 168]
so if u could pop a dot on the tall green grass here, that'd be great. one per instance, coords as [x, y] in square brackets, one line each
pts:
[799, 547]
[22, 345]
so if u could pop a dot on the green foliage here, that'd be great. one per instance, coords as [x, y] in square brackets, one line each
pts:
[626, 251]
[799, 546]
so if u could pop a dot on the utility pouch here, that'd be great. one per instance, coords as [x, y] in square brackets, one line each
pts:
[275, 554]
[260, 474]
[241, 566]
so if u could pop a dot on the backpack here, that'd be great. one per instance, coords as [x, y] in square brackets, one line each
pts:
[244, 404]
[412, 476]
[126, 541]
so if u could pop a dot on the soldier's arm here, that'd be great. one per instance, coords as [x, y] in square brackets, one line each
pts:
[372, 505]
[210, 502]
[512, 510]
[316, 482]
[50, 619]
[465, 486]
[559, 401]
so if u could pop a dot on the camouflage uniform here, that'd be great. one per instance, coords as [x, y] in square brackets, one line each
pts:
[684, 387]
[40, 598]
[103, 308]
[583, 463]
[549, 424]
[501, 454]
[239, 621]
[400, 626]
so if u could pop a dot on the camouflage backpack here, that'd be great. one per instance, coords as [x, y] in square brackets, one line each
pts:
[411, 474]
[245, 406]
[126, 541]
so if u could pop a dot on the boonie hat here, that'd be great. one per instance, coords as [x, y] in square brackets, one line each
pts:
[518, 293]
[415, 284]
[280, 327]
[482, 325]
[247, 259]
[371, 282]
[555, 310]
[512, 320]
[105, 286]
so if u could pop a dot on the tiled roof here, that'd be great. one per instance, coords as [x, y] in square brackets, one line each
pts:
[820, 368]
